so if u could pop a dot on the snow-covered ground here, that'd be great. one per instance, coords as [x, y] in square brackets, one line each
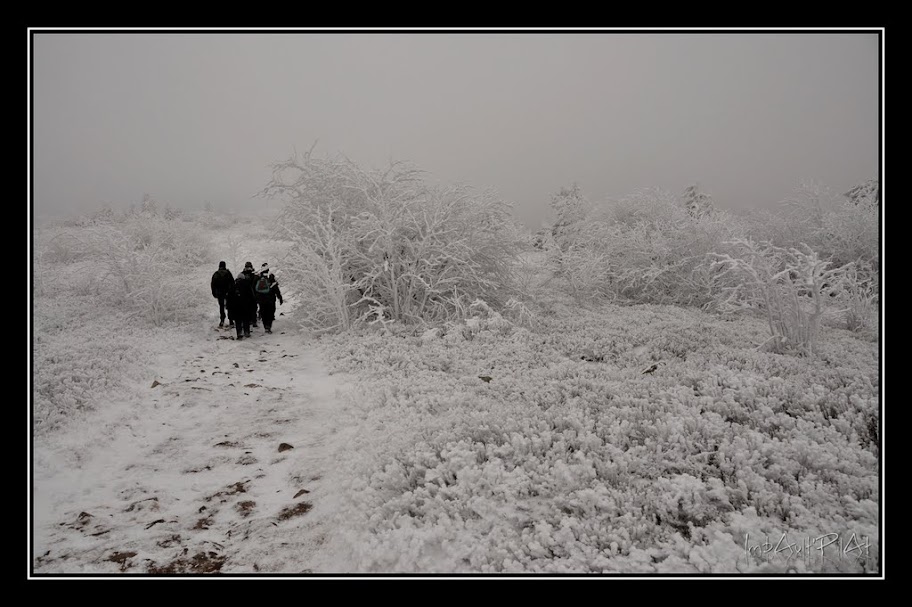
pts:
[646, 439]
[197, 474]
[602, 439]
[210, 455]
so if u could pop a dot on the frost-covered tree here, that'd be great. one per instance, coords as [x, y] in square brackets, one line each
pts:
[570, 208]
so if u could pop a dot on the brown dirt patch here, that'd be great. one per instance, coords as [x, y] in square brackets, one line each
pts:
[201, 562]
[122, 558]
[246, 507]
[234, 489]
[296, 510]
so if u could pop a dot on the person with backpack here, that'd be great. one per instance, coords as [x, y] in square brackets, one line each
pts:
[267, 289]
[222, 283]
[251, 274]
[242, 303]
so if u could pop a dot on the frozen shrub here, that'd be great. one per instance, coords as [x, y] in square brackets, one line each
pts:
[385, 246]
[317, 262]
[840, 230]
[531, 275]
[792, 287]
[518, 313]
[140, 262]
[587, 270]
[849, 233]
[859, 296]
[646, 248]
[62, 248]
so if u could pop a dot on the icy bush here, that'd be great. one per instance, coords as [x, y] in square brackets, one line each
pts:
[531, 276]
[98, 290]
[141, 263]
[859, 297]
[645, 248]
[792, 287]
[841, 231]
[60, 246]
[627, 439]
[851, 233]
[385, 246]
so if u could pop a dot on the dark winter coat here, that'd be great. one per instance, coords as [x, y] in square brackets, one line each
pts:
[222, 282]
[249, 273]
[274, 292]
[241, 301]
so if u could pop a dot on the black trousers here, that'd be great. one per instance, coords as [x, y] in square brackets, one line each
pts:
[242, 326]
[267, 313]
[222, 300]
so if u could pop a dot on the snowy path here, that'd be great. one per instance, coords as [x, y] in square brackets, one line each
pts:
[196, 474]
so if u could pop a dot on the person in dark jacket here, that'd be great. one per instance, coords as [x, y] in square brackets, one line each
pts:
[252, 275]
[267, 289]
[222, 283]
[241, 303]
[236, 311]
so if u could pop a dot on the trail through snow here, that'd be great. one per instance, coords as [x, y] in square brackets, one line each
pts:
[225, 465]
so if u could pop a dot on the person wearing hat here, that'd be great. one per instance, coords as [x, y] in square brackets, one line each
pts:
[222, 283]
[252, 276]
[267, 289]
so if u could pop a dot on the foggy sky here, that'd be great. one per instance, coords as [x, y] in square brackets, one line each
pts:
[190, 118]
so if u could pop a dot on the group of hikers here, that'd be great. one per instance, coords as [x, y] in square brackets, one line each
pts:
[242, 296]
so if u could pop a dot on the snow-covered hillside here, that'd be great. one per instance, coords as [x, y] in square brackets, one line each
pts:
[569, 437]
